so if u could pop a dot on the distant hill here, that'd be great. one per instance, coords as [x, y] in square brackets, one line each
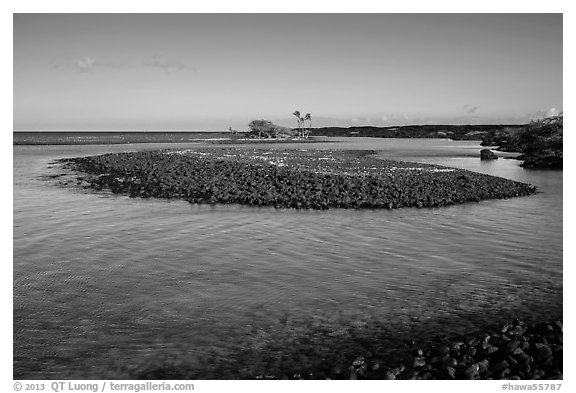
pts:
[457, 132]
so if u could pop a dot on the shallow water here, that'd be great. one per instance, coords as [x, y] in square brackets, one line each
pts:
[105, 284]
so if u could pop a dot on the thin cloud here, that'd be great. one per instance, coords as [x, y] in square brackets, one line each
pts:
[167, 64]
[85, 64]
[470, 108]
[90, 64]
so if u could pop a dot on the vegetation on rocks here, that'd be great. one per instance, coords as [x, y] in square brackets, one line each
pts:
[266, 129]
[289, 178]
[540, 142]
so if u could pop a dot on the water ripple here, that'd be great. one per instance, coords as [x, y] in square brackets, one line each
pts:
[106, 279]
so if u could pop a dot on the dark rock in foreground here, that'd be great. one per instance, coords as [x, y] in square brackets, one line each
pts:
[515, 351]
[290, 178]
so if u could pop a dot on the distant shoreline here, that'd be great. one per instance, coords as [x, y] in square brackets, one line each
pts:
[111, 137]
[117, 138]
[454, 132]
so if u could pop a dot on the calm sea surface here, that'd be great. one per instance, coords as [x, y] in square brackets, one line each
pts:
[105, 285]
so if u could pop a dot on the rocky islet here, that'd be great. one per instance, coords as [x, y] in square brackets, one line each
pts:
[309, 179]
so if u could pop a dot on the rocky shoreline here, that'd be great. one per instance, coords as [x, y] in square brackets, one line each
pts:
[514, 351]
[287, 178]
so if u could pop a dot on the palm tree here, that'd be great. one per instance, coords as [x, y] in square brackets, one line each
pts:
[297, 114]
[309, 118]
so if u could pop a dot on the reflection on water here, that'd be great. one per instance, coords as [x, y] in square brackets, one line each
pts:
[104, 283]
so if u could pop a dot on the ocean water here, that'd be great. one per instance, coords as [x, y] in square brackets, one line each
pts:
[106, 286]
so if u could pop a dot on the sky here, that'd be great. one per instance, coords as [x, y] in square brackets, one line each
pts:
[214, 71]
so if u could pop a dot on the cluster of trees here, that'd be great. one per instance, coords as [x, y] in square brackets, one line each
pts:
[302, 131]
[537, 135]
[543, 134]
[266, 129]
[540, 142]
